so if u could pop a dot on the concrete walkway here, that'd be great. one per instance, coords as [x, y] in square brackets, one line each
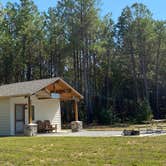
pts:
[85, 133]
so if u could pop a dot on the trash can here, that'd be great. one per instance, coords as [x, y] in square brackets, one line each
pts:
[30, 129]
[76, 126]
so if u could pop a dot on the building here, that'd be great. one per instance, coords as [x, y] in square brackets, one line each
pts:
[26, 102]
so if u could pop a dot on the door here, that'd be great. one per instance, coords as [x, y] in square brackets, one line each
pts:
[19, 118]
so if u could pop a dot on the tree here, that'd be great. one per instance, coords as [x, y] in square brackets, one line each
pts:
[160, 31]
[30, 31]
[119, 68]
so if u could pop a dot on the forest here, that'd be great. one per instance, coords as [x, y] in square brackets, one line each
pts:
[119, 67]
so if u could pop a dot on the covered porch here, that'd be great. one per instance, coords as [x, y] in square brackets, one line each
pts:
[58, 90]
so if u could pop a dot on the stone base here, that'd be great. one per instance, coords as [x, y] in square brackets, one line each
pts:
[30, 129]
[76, 126]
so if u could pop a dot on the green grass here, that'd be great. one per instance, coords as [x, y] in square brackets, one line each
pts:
[76, 151]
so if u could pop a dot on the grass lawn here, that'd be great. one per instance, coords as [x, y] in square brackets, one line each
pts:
[75, 151]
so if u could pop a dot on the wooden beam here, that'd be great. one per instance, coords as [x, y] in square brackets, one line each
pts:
[63, 91]
[43, 98]
[76, 110]
[29, 110]
[65, 84]
[48, 92]
[66, 99]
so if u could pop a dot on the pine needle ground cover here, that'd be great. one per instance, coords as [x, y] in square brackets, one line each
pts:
[75, 151]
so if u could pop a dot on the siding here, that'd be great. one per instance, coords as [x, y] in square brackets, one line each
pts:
[4, 117]
[47, 109]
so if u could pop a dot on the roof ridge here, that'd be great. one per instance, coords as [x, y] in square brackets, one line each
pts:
[29, 81]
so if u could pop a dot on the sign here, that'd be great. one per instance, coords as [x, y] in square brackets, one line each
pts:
[55, 95]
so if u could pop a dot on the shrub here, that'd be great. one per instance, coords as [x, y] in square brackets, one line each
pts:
[143, 111]
[107, 116]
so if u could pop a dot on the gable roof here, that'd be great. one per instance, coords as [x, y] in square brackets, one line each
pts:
[29, 87]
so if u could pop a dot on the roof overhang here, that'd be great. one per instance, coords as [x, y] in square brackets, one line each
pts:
[60, 87]
[55, 85]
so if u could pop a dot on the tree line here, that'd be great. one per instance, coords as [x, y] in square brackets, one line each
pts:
[120, 68]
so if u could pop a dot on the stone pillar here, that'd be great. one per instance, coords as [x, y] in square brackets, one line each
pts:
[76, 126]
[30, 129]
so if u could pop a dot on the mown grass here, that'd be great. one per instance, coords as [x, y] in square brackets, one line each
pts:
[80, 151]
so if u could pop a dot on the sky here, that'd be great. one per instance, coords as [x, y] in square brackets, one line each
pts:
[157, 7]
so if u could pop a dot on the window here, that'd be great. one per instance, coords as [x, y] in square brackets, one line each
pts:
[33, 112]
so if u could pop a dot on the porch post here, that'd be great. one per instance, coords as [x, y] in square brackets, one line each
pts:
[29, 110]
[76, 110]
[76, 125]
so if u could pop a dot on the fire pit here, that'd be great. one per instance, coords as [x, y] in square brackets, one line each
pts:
[131, 132]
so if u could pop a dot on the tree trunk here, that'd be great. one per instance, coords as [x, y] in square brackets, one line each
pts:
[156, 79]
[134, 71]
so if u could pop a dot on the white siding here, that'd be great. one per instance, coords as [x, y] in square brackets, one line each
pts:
[47, 109]
[4, 117]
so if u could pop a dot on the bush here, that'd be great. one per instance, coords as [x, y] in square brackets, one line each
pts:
[107, 116]
[162, 113]
[143, 111]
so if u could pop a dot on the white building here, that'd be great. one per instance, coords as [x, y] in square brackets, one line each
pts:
[26, 102]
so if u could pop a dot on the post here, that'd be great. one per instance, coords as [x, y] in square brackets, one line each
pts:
[29, 110]
[76, 110]
[76, 125]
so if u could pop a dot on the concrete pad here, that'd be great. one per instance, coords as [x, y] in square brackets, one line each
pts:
[86, 133]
